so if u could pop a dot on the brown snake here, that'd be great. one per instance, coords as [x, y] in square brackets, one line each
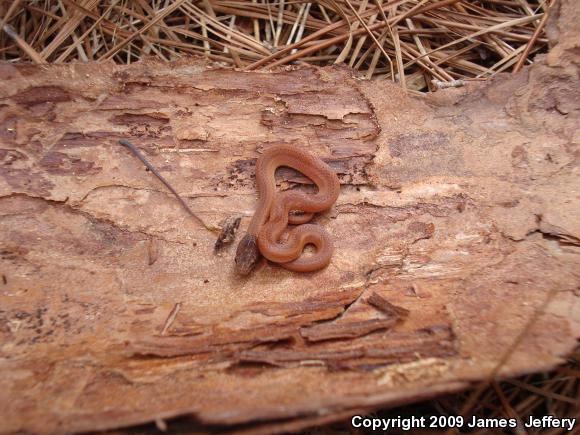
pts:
[272, 216]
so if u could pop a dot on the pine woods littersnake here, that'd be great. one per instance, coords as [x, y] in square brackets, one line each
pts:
[273, 214]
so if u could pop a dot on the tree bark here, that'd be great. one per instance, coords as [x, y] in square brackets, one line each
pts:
[458, 218]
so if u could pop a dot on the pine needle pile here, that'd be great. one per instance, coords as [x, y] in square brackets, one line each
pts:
[420, 44]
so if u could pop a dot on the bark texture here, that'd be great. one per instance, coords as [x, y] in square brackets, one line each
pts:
[458, 221]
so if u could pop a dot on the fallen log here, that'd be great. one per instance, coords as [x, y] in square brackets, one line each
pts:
[457, 218]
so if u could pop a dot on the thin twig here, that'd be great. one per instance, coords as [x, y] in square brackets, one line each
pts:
[149, 166]
[533, 319]
[30, 52]
[532, 41]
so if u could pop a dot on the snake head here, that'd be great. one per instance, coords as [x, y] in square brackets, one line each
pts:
[247, 254]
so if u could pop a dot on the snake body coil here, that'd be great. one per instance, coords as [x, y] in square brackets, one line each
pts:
[272, 216]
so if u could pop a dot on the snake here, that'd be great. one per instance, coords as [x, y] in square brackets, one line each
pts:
[268, 233]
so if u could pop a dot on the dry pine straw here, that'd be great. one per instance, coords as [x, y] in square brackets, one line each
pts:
[421, 44]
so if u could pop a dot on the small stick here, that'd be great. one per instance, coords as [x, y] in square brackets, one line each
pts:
[475, 395]
[531, 42]
[386, 307]
[171, 318]
[149, 166]
[444, 85]
[8, 15]
[32, 54]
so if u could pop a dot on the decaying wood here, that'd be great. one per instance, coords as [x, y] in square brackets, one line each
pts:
[392, 311]
[229, 228]
[460, 208]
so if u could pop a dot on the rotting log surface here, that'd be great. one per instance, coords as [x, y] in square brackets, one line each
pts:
[461, 208]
